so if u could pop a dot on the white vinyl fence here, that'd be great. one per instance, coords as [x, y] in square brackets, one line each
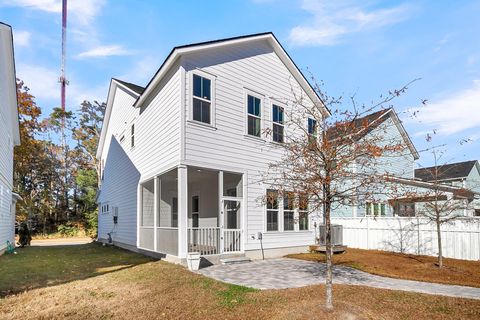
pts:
[460, 238]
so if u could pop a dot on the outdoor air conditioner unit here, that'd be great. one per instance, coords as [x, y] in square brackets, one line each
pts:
[337, 235]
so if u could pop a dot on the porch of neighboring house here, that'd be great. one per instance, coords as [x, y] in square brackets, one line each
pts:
[191, 209]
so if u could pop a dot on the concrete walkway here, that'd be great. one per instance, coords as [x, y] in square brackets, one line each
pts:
[292, 273]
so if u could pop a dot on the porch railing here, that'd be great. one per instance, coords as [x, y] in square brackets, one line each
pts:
[232, 240]
[204, 240]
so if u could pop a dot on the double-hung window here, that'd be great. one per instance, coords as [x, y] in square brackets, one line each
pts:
[375, 209]
[312, 128]
[202, 99]
[288, 212]
[254, 116]
[303, 213]
[272, 210]
[278, 125]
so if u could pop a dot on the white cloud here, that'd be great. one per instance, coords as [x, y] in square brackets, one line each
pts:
[142, 70]
[454, 113]
[82, 11]
[105, 51]
[334, 20]
[43, 82]
[44, 85]
[21, 38]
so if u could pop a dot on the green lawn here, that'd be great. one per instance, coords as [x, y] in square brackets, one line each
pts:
[34, 267]
[95, 282]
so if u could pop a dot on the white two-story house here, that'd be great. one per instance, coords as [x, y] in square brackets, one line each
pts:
[181, 159]
[9, 136]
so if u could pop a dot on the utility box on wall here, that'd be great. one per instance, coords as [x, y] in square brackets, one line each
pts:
[115, 215]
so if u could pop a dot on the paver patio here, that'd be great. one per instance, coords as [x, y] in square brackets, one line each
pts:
[291, 273]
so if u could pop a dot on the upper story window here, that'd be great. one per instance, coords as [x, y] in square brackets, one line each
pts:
[202, 99]
[278, 124]
[254, 116]
[132, 135]
[312, 128]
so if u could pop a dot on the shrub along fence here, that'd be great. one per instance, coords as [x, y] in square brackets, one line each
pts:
[460, 238]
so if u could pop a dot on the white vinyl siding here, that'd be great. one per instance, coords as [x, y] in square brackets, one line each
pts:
[240, 70]
[157, 146]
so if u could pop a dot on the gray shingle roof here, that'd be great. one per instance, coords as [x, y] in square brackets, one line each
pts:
[445, 172]
[136, 88]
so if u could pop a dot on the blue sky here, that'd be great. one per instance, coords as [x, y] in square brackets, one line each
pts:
[362, 47]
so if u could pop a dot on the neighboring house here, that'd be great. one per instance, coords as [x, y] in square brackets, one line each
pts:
[181, 158]
[9, 136]
[382, 127]
[464, 175]
[412, 187]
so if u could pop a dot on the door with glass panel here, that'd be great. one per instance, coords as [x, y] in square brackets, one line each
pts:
[232, 233]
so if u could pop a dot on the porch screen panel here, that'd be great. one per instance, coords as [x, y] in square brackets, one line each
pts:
[147, 205]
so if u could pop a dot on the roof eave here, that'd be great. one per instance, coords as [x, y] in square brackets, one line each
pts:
[269, 36]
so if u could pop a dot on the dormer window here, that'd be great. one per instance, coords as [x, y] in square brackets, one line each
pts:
[202, 99]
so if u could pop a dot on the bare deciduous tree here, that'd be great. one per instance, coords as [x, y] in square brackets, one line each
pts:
[333, 160]
[441, 204]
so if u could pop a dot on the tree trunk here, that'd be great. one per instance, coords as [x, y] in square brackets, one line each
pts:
[329, 254]
[439, 243]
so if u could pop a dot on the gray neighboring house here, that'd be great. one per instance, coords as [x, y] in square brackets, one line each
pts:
[9, 136]
[464, 175]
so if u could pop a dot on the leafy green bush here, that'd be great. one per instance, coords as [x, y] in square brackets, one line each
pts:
[69, 229]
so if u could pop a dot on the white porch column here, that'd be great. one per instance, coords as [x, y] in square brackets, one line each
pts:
[182, 211]
[156, 208]
[139, 211]
[221, 216]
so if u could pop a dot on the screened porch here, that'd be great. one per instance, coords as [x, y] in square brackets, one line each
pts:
[191, 209]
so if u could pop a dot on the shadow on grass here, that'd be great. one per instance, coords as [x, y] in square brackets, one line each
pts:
[37, 267]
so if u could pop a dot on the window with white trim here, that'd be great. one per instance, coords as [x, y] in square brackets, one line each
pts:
[312, 128]
[272, 210]
[302, 212]
[277, 123]
[202, 99]
[105, 208]
[289, 212]
[254, 116]
[375, 209]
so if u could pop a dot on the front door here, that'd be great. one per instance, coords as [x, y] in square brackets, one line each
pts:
[232, 233]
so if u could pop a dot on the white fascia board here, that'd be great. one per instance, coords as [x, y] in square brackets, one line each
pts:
[6, 36]
[114, 84]
[176, 53]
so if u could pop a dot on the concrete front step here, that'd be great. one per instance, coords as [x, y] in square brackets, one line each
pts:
[235, 260]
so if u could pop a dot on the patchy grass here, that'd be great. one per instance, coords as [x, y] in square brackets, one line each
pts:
[404, 266]
[34, 267]
[156, 289]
